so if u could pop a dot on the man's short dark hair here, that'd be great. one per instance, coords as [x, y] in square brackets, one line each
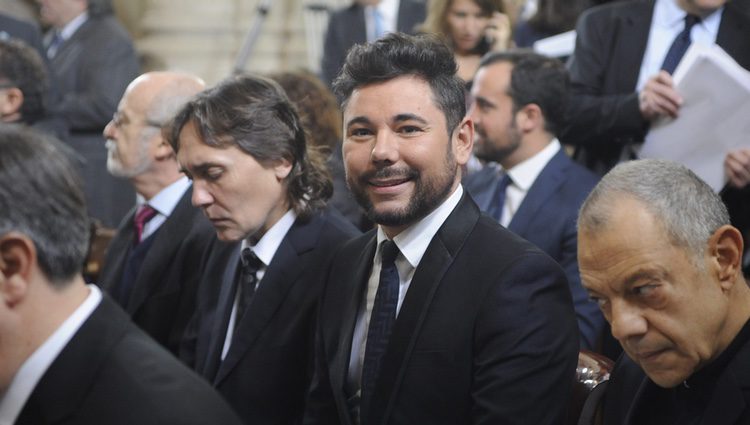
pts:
[254, 114]
[536, 79]
[397, 55]
[22, 67]
[41, 197]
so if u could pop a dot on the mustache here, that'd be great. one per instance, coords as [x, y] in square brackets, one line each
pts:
[405, 173]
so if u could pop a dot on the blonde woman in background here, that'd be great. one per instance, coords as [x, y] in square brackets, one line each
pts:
[471, 27]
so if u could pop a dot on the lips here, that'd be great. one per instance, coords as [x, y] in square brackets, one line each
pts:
[388, 182]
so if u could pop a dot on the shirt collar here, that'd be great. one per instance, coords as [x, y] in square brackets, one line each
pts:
[71, 27]
[668, 14]
[413, 241]
[166, 200]
[266, 247]
[32, 370]
[525, 173]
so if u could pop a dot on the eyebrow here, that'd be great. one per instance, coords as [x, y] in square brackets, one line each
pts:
[397, 118]
[642, 274]
[199, 169]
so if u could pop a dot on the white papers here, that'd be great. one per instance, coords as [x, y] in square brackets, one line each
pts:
[714, 118]
[557, 46]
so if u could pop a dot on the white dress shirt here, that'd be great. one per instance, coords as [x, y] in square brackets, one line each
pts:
[265, 249]
[164, 203]
[412, 244]
[32, 370]
[388, 13]
[523, 175]
[667, 22]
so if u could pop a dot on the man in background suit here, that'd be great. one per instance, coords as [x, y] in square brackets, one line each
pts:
[619, 85]
[660, 258]
[92, 61]
[440, 315]
[152, 265]
[264, 191]
[69, 354]
[363, 21]
[518, 105]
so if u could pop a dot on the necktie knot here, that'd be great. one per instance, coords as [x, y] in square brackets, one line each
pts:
[388, 251]
[690, 21]
[250, 262]
[144, 214]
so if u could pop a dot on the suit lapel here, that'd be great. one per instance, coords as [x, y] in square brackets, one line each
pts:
[545, 185]
[117, 254]
[217, 331]
[168, 237]
[482, 185]
[427, 278]
[632, 39]
[285, 270]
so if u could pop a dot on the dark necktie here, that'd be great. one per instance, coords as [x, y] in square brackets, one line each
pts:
[382, 318]
[249, 266]
[679, 45]
[144, 214]
[498, 198]
[54, 45]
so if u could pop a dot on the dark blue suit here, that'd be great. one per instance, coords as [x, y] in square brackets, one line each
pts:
[268, 367]
[547, 218]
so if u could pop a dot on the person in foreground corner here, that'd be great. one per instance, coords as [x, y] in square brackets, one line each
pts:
[69, 354]
[440, 315]
[659, 256]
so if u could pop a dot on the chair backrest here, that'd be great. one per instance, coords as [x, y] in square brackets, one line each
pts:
[592, 370]
[100, 238]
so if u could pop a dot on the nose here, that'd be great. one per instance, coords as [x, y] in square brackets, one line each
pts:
[473, 112]
[201, 195]
[109, 130]
[385, 149]
[626, 321]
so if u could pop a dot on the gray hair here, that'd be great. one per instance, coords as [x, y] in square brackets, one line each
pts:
[686, 206]
[41, 197]
[172, 97]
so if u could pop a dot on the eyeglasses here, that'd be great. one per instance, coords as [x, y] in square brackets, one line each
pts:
[119, 120]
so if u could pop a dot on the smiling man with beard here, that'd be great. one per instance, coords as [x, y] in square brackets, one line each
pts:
[438, 316]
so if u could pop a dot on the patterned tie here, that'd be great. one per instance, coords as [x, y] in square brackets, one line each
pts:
[382, 318]
[144, 214]
[54, 45]
[249, 266]
[498, 198]
[679, 45]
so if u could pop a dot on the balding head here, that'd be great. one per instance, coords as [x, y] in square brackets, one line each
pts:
[136, 148]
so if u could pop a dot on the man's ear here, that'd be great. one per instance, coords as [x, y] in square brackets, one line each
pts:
[725, 252]
[282, 169]
[163, 149]
[463, 141]
[17, 259]
[12, 99]
[529, 118]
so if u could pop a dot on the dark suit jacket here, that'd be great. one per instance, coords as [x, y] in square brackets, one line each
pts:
[631, 393]
[267, 370]
[603, 111]
[346, 27]
[486, 333]
[91, 71]
[547, 218]
[112, 373]
[25, 31]
[163, 297]
[93, 68]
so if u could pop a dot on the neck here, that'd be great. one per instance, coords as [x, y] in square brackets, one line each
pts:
[531, 144]
[150, 183]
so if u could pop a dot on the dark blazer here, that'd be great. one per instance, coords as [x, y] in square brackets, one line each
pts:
[603, 110]
[91, 71]
[25, 31]
[547, 218]
[346, 27]
[163, 298]
[267, 370]
[486, 333]
[112, 373]
[631, 393]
